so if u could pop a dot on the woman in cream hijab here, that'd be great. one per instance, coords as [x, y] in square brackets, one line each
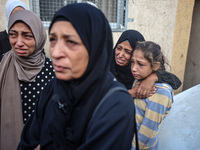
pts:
[11, 6]
[24, 72]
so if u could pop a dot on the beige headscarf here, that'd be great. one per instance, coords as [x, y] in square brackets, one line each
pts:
[12, 69]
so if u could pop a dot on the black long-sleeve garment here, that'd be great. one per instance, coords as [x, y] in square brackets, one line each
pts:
[112, 127]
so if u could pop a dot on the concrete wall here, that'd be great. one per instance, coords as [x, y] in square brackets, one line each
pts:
[2, 12]
[181, 38]
[154, 19]
[192, 70]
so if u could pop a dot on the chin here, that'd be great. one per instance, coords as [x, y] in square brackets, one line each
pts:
[61, 76]
[138, 78]
[121, 64]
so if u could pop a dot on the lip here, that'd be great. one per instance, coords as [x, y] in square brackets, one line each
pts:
[120, 61]
[135, 75]
[58, 68]
[20, 51]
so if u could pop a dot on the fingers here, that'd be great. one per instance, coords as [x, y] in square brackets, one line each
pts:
[144, 93]
[138, 92]
[153, 90]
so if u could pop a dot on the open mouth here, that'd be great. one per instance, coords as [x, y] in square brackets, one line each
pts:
[20, 51]
[120, 61]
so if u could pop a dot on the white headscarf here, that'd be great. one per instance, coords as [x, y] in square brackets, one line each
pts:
[10, 5]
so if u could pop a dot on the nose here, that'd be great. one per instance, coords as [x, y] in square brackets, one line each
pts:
[133, 67]
[121, 54]
[19, 41]
[56, 51]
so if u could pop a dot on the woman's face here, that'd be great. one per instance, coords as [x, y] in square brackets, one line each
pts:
[140, 66]
[69, 55]
[123, 53]
[22, 39]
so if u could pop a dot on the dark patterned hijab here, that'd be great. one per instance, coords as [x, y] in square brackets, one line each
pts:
[123, 73]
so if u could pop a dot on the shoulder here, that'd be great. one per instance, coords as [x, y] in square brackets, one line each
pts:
[121, 96]
[164, 93]
[163, 88]
[118, 105]
[118, 100]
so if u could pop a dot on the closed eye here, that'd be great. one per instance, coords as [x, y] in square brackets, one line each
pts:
[119, 48]
[141, 64]
[29, 36]
[128, 51]
[71, 42]
[12, 34]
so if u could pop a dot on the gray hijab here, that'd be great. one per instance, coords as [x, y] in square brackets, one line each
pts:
[12, 69]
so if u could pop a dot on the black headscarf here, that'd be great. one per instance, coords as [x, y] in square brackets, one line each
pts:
[86, 92]
[123, 74]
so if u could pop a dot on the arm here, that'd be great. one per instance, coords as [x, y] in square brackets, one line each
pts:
[171, 79]
[146, 87]
[157, 108]
[113, 124]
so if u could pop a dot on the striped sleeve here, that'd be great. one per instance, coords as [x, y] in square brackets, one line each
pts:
[150, 113]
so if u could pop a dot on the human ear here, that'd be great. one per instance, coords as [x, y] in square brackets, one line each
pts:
[156, 66]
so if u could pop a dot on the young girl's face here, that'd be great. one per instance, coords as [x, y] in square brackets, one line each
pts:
[140, 66]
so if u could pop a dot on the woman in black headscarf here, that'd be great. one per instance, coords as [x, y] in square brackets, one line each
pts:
[122, 72]
[120, 67]
[83, 107]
